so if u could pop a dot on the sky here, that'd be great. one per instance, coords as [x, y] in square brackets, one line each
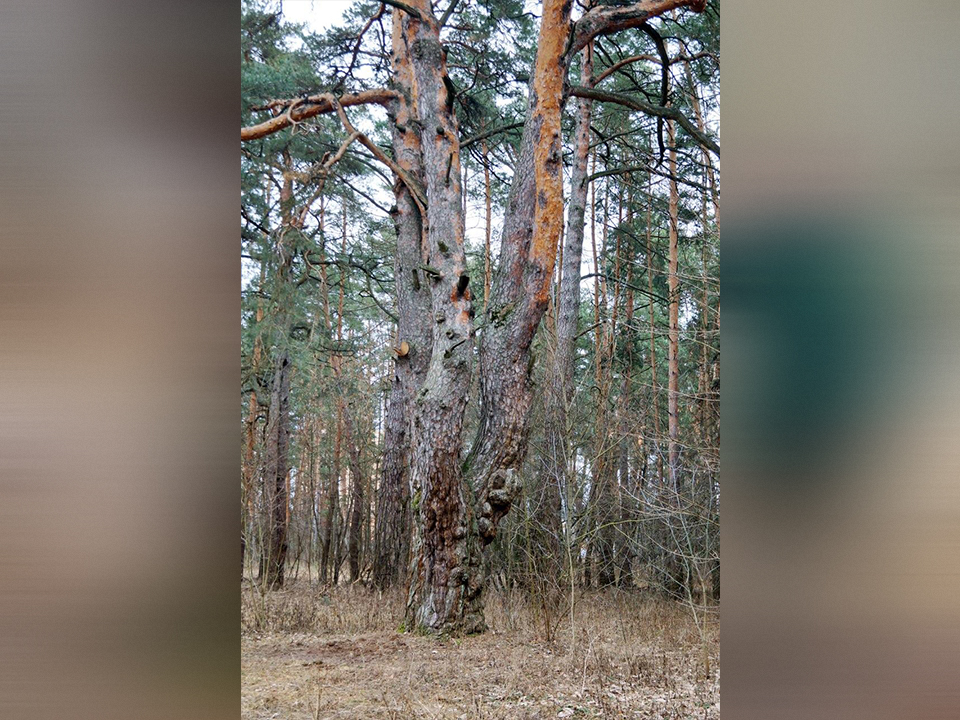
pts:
[318, 14]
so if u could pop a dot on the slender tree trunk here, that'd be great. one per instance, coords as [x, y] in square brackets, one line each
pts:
[673, 369]
[604, 445]
[355, 537]
[489, 223]
[274, 556]
[627, 487]
[654, 386]
[249, 466]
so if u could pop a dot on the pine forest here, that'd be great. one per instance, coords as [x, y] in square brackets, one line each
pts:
[480, 358]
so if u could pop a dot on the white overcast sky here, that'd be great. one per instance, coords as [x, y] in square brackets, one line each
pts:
[317, 14]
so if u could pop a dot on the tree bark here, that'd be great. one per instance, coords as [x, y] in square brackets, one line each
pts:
[355, 539]
[444, 575]
[673, 332]
[274, 555]
[414, 326]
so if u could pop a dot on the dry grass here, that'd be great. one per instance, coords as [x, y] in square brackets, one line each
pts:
[311, 655]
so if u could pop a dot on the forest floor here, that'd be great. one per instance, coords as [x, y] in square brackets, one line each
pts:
[323, 654]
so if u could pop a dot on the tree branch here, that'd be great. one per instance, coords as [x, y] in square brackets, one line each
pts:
[607, 19]
[300, 109]
[418, 194]
[406, 8]
[449, 11]
[644, 107]
[489, 133]
[649, 58]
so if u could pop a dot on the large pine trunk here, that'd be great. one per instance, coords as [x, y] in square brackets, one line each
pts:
[414, 334]
[444, 574]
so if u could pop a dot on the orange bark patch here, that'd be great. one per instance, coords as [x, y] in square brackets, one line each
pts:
[548, 87]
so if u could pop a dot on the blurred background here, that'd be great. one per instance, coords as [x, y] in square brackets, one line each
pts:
[841, 458]
[119, 308]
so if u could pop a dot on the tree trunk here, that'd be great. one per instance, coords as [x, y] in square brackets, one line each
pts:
[553, 480]
[356, 498]
[627, 487]
[487, 227]
[249, 466]
[444, 576]
[654, 386]
[673, 333]
[274, 555]
[414, 326]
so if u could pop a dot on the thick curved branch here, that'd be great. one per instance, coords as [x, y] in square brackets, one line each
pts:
[606, 19]
[655, 110]
[300, 109]
[418, 193]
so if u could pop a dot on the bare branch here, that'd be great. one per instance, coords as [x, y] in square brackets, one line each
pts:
[418, 194]
[644, 107]
[324, 172]
[449, 11]
[649, 58]
[490, 133]
[299, 109]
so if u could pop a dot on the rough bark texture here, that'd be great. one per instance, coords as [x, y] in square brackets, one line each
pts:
[274, 555]
[414, 326]
[355, 538]
[444, 577]
[521, 286]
